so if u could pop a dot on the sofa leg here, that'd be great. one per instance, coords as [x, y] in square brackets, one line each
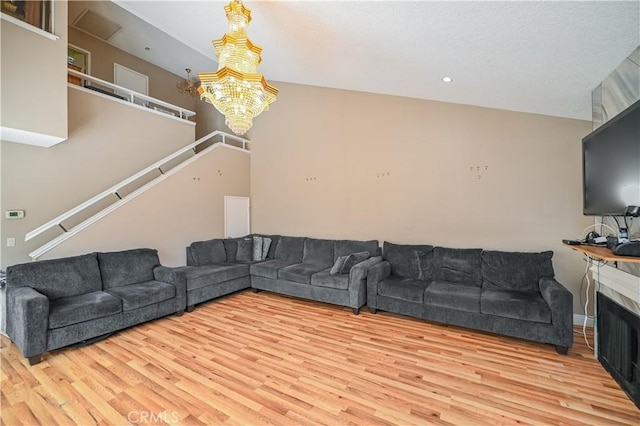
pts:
[190, 308]
[562, 350]
[180, 313]
[355, 311]
[372, 310]
[255, 290]
[33, 360]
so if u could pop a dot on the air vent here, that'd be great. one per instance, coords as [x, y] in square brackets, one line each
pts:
[96, 25]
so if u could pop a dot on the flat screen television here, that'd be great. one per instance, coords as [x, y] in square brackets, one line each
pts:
[611, 165]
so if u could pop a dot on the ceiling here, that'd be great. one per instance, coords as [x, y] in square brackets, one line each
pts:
[541, 57]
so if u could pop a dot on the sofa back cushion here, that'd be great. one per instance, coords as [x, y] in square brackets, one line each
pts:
[230, 248]
[409, 261]
[458, 266]
[70, 276]
[120, 268]
[346, 247]
[318, 252]
[290, 249]
[208, 252]
[515, 270]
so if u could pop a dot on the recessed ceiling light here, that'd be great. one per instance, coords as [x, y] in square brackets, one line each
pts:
[447, 79]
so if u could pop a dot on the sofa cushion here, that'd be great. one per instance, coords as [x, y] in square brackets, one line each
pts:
[271, 250]
[318, 252]
[120, 268]
[346, 247]
[458, 266]
[337, 265]
[266, 246]
[352, 260]
[290, 249]
[299, 273]
[402, 288]
[230, 248]
[409, 261]
[269, 268]
[208, 252]
[245, 250]
[257, 248]
[139, 295]
[65, 311]
[515, 271]
[453, 296]
[56, 278]
[522, 305]
[325, 278]
[202, 276]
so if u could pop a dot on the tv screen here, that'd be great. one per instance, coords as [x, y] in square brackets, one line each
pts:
[611, 165]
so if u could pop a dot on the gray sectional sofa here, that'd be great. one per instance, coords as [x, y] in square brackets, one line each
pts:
[57, 303]
[509, 293]
[294, 266]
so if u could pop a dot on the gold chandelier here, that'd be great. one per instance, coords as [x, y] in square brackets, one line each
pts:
[188, 87]
[236, 89]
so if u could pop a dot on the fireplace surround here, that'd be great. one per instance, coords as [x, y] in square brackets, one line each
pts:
[619, 344]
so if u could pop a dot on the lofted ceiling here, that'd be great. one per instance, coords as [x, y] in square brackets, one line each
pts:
[541, 57]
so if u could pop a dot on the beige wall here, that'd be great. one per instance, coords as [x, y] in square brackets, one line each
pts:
[186, 207]
[340, 164]
[162, 83]
[108, 142]
[33, 78]
[208, 120]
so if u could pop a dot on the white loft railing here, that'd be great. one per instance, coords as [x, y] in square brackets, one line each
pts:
[220, 139]
[128, 95]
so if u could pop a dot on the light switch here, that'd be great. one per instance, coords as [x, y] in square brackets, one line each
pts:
[11, 242]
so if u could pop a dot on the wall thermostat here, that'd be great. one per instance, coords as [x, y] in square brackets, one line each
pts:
[14, 214]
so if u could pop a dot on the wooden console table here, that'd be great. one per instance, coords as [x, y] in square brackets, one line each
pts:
[603, 253]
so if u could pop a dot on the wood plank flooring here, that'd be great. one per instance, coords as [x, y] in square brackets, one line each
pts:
[258, 359]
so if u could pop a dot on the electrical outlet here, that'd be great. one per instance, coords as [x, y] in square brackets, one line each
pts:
[11, 242]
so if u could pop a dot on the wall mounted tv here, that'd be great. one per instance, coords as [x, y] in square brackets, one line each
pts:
[611, 165]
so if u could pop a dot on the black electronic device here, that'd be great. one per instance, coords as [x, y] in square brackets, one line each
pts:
[633, 211]
[631, 248]
[611, 166]
[573, 242]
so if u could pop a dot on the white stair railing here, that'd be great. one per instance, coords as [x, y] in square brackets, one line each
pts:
[135, 98]
[122, 200]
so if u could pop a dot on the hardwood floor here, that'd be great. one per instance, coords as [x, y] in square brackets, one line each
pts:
[256, 359]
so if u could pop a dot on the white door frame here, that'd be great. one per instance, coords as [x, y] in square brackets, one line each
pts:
[226, 198]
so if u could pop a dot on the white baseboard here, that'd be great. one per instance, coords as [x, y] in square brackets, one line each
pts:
[578, 319]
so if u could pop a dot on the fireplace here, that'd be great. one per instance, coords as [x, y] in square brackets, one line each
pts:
[619, 345]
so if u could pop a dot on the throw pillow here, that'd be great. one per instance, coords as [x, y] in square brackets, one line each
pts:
[257, 248]
[353, 259]
[245, 250]
[266, 245]
[337, 266]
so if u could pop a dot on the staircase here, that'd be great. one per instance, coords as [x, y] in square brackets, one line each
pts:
[128, 189]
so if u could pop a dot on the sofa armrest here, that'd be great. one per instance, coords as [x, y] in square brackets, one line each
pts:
[376, 274]
[27, 320]
[190, 259]
[560, 300]
[176, 277]
[360, 270]
[358, 282]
